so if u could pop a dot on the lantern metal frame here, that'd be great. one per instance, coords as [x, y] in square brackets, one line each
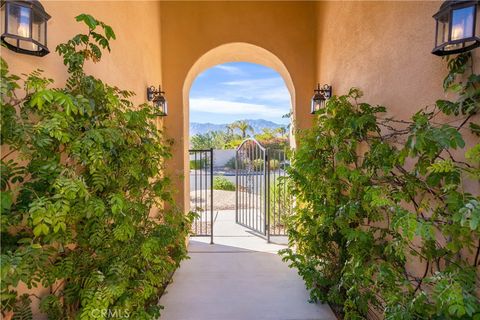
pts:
[448, 7]
[322, 94]
[157, 96]
[36, 8]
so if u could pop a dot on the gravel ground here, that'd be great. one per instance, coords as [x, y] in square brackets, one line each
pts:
[222, 200]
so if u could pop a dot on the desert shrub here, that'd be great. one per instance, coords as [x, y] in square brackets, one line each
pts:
[233, 144]
[257, 164]
[198, 164]
[222, 183]
[281, 202]
[372, 203]
[274, 164]
[82, 170]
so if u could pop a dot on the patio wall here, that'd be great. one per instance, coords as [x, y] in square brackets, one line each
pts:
[382, 47]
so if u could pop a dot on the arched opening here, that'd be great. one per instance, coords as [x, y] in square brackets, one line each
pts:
[232, 53]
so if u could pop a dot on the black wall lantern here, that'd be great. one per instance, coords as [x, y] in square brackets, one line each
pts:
[158, 98]
[24, 26]
[457, 28]
[322, 94]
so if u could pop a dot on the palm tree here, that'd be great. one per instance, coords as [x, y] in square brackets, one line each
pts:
[230, 129]
[243, 126]
[282, 131]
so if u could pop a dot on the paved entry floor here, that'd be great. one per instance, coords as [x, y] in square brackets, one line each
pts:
[240, 277]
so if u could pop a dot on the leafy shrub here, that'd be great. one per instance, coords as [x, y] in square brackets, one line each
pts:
[198, 164]
[233, 144]
[363, 219]
[214, 139]
[222, 183]
[274, 164]
[281, 202]
[76, 213]
[258, 164]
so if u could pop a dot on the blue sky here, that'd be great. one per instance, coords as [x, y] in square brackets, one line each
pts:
[239, 90]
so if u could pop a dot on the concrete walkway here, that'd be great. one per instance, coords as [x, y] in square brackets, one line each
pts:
[240, 277]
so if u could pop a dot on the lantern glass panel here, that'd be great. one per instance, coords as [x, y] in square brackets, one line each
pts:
[38, 28]
[19, 20]
[161, 105]
[443, 26]
[462, 23]
[27, 45]
[317, 103]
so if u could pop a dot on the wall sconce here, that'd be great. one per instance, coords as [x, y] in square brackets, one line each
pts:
[458, 27]
[321, 95]
[24, 26]
[158, 98]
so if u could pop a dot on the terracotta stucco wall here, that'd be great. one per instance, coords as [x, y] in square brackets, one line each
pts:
[382, 47]
[133, 63]
[191, 29]
[135, 59]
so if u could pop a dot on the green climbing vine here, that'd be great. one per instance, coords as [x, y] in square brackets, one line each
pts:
[81, 176]
[387, 223]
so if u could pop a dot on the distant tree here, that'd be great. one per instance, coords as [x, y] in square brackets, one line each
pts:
[213, 139]
[243, 126]
[230, 129]
[201, 141]
[270, 138]
[282, 131]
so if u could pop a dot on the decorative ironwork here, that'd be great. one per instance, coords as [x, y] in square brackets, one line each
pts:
[263, 199]
[201, 192]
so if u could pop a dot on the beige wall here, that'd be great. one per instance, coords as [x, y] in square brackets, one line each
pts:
[191, 29]
[134, 63]
[383, 47]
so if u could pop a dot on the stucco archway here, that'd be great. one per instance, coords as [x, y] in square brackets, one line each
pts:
[230, 52]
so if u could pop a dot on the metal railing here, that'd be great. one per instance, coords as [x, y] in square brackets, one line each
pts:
[280, 197]
[263, 199]
[201, 192]
[251, 163]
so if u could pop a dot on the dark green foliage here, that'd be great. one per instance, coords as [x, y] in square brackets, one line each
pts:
[222, 183]
[377, 198]
[81, 173]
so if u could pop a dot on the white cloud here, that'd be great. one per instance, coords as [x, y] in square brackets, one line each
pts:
[267, 89]
[230, 69]
[215, 106]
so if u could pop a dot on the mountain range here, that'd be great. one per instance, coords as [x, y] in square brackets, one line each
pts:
[257, 125]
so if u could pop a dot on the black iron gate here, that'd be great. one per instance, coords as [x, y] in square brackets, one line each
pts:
[251, 163]
[263, 199]
[201, 192]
